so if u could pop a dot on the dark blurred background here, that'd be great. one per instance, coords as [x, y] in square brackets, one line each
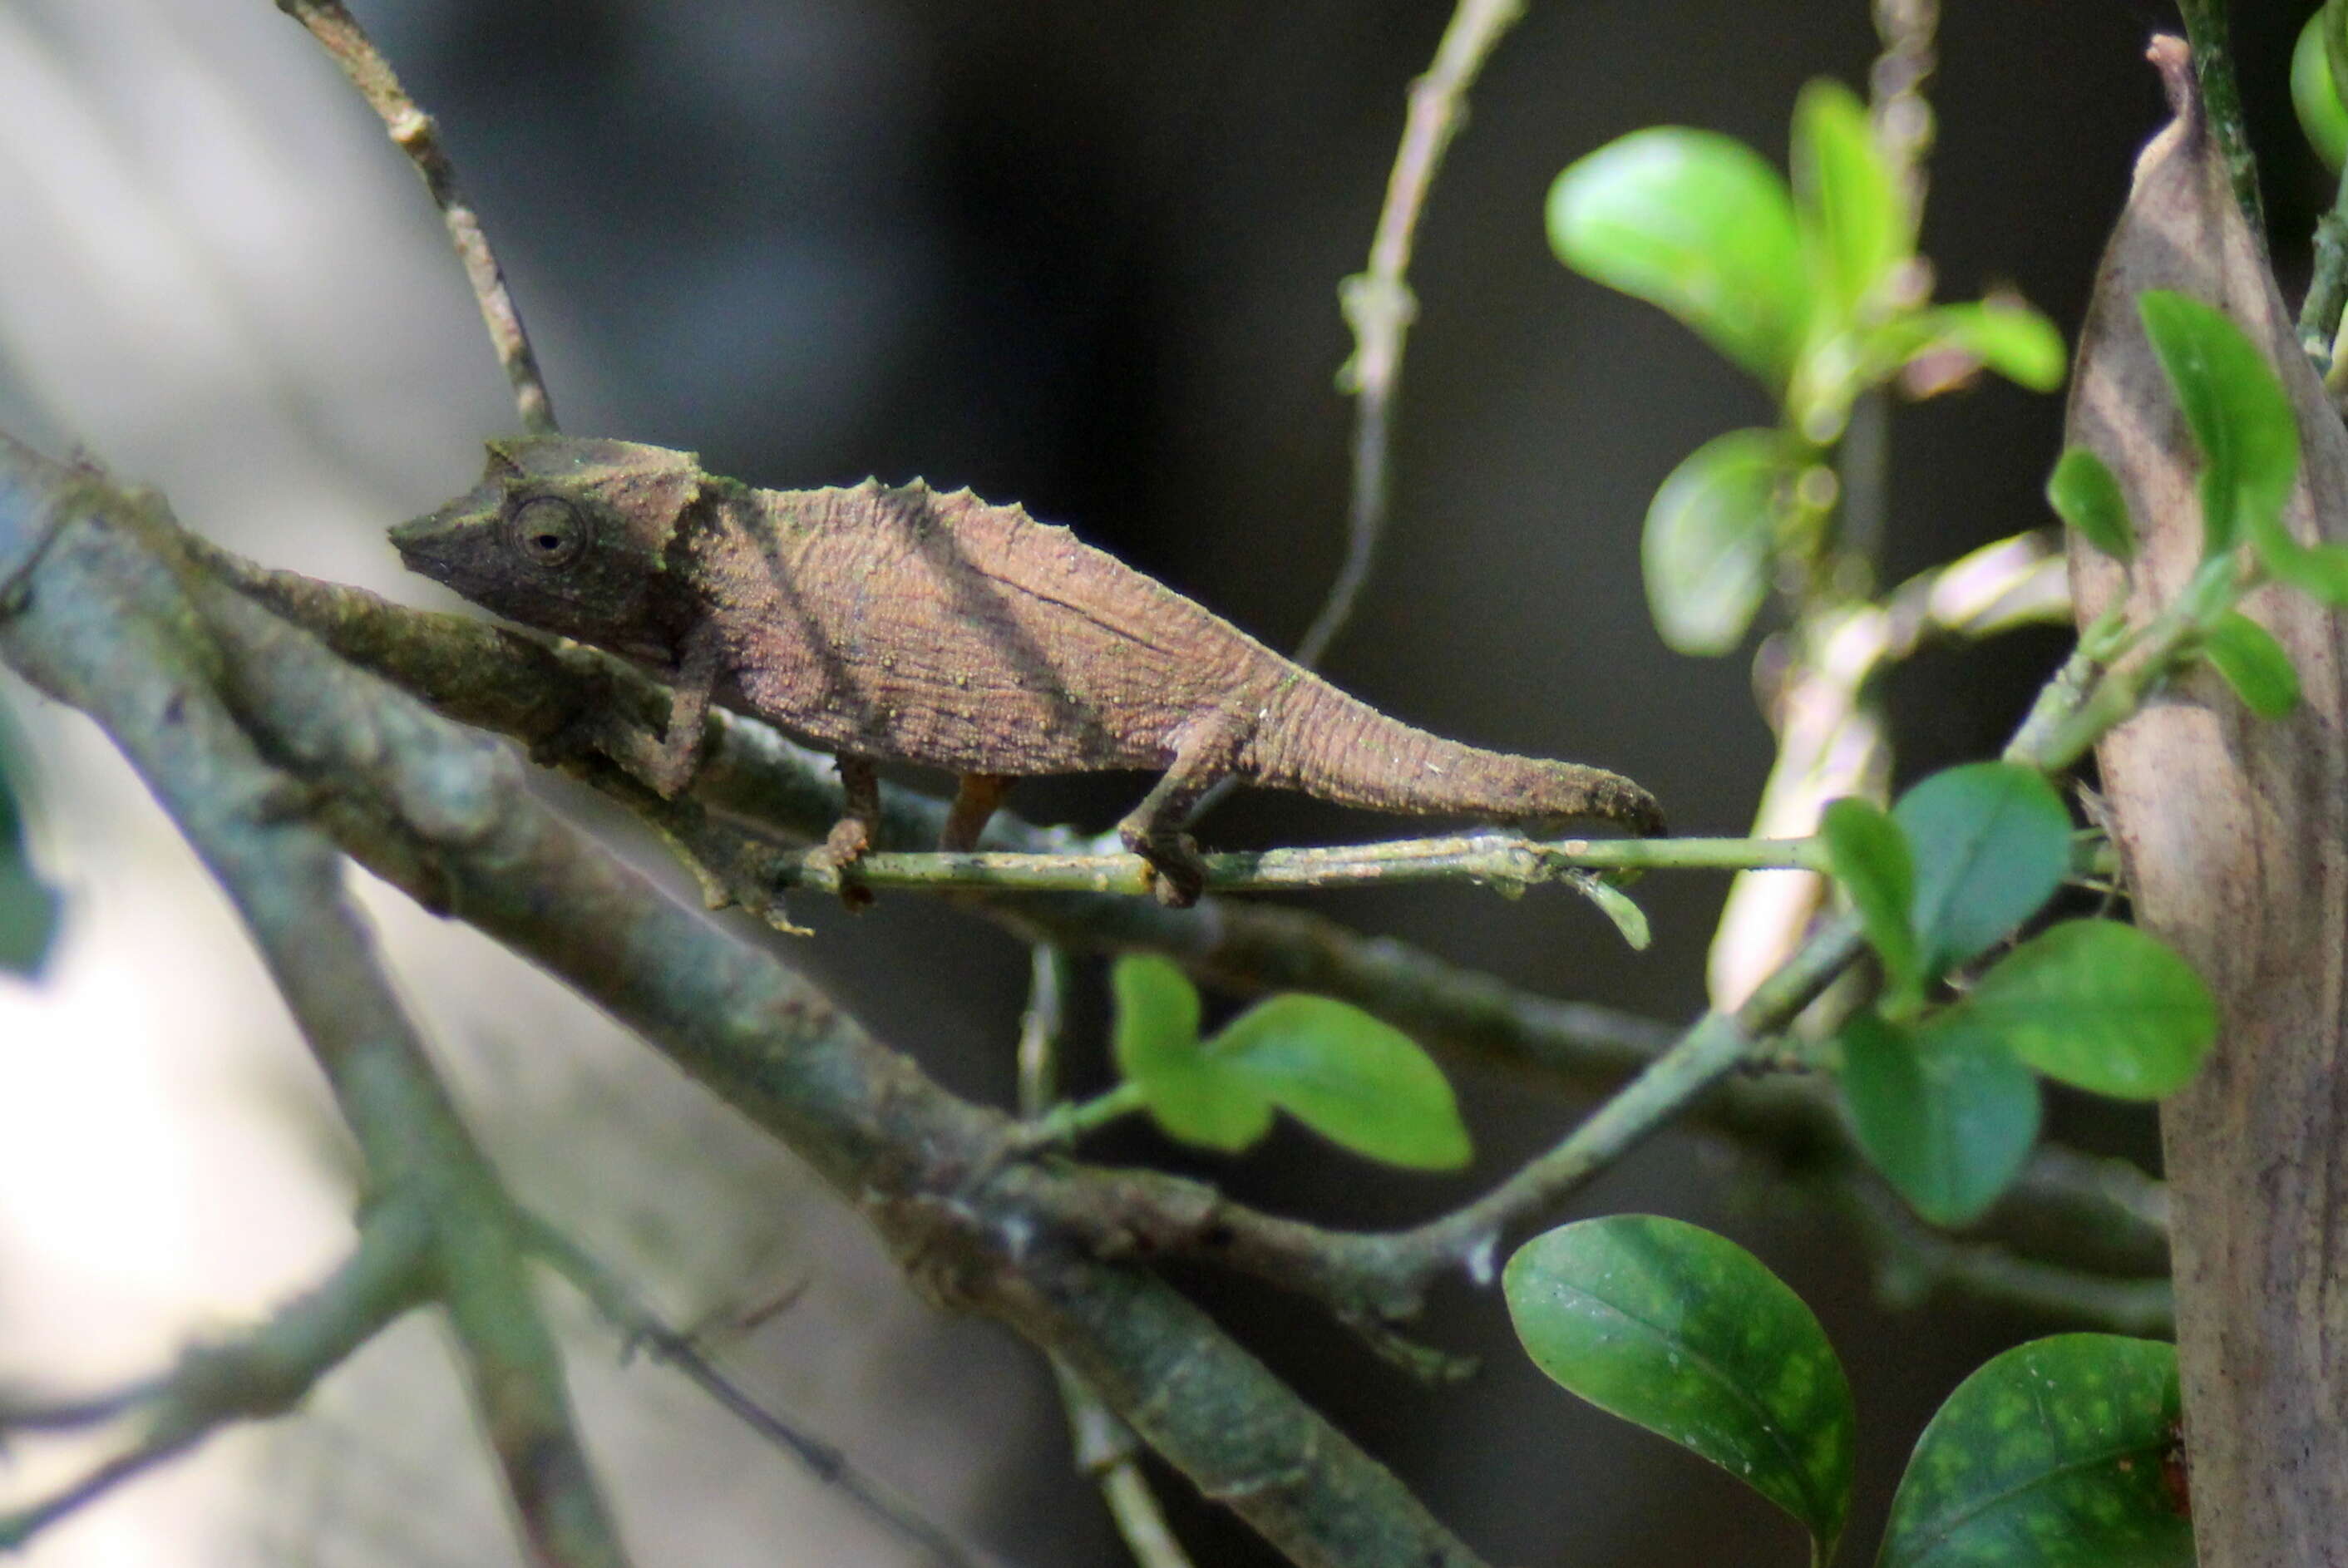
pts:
[1086, 257]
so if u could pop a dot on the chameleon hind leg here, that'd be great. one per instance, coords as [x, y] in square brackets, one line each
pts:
[976, 796]
[1204, 753]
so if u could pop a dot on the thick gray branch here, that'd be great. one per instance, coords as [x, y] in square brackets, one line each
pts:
[444, 812]
[104, 623]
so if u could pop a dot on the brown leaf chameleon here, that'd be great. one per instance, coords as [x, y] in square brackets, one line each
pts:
[906, 624]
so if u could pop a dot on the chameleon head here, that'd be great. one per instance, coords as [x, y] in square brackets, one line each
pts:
[568, 535]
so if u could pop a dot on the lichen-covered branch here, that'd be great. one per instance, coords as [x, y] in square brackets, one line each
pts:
[445, 814]
[262, 1372]
[536, 690]
[105, 623]
[1915, 1263]
[644, 1328]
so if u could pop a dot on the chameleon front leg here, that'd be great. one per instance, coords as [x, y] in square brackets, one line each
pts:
[859, 821]
[1203, 754]
[667, 764]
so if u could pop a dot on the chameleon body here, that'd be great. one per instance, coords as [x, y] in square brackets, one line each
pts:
[907, 624]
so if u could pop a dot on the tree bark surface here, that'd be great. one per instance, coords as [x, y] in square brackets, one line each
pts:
[2230, 830]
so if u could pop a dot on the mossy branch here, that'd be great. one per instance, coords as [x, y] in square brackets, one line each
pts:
[105, 622]
[439, 811]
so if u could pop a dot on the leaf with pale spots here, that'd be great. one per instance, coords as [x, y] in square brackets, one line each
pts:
[1688, 1335]
[2054, 1455]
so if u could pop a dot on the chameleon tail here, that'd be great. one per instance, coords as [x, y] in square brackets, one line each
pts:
[1315, 738]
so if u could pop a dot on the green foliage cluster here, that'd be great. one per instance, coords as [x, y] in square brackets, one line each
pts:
[1816, 289]
[2065, 1451]
[2055, 1453]
[1942, 1094]
[1357, 1081]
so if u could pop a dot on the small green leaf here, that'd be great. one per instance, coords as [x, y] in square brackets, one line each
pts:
[2099, 1004]
[1870, 856]
[1687, 1335]
[1699, 224]
[2055, 1454]
[1356, 1081]
[2084, 494]
[1846, 199]
[2253, 662]
[2237, 412]
[1708, 540]
[1991, 841]
[1155, 1043]
[1945, 1112]
[2318, 569]
[1617, 906]
[2003, 333]
[2316, 97]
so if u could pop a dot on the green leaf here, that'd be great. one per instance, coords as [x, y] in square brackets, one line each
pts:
[2054, 1455]
[1709, 536]
[2320, 571]
[1687, 1335]
[1991, 841]
[2003, 333]
[2316, 97]
[2253, 662]
[1945, 1112]
[1354, 1080]
[1847, 203]
[1155, 1043]
[1870, 856]
[2099, 1004]
[1699, 224]
[2239, 414]
[1617, 906]
[2084, 494]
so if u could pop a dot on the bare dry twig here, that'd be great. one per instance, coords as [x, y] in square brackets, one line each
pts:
[416, 134]
[263, 1372]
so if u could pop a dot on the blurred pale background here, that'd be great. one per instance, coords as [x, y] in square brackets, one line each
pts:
[1081, 255]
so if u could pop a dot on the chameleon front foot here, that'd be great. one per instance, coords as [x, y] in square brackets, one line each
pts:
[842, 848]
[859, 826]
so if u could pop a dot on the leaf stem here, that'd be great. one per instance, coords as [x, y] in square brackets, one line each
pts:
[1070, 1120]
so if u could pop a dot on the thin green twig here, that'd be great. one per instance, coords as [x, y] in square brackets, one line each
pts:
[2208, 31]
[1106, 1450]
[1504, 861]
[1379, 302]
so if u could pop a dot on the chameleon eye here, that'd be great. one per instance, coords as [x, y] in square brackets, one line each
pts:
[547, 531]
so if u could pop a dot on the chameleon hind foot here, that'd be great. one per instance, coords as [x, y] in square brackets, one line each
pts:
[1178, 873]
